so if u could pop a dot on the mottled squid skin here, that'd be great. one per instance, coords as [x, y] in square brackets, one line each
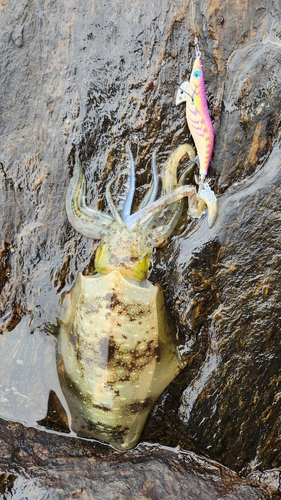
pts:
[116, 348]
[117, 353]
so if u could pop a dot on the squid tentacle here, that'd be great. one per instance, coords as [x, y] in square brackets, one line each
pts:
[143, 215]
[87, 221]
[131, 191]
[110, 203]
[170, 182]
[160, 234]
[151, 194]
[155, 182]
[94, 224]
[169, 176]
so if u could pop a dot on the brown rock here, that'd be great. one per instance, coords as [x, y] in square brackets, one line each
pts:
[40, 465]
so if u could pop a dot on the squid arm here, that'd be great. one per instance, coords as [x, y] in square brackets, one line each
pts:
[152, 191]
[87, 221]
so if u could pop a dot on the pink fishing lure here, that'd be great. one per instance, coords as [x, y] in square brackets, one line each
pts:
[197, 115]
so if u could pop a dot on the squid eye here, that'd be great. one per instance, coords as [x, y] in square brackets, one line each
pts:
[197, 73]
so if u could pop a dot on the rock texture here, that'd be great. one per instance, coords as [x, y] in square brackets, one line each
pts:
[37, 465]
[90, 77]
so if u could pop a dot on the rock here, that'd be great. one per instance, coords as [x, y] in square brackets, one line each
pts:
[229, 315]
[17, 36]
[50, 467]
[90, 77]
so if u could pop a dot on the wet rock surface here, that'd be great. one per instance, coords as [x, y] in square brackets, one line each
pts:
[39, 465]
[238, 382]
[90, 78]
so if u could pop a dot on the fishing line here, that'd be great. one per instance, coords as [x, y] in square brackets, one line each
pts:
[196, 41]
[193, 92]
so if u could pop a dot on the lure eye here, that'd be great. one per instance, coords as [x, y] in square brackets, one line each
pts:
[197, 73]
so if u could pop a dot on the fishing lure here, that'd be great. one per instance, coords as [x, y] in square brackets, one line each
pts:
[117, 349]
[197, 114]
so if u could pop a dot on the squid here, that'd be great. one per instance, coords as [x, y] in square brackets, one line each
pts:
[117, 349]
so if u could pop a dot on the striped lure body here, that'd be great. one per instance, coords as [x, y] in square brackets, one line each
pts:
[197, 115]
